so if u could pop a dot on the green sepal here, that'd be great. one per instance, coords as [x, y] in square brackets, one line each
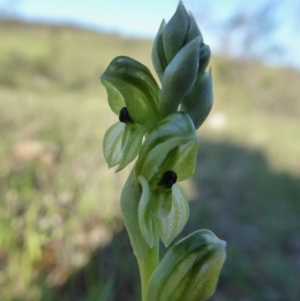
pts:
[193, 31]
[158, 56]
[199, 101]
[179, 77]
[174, 33]
[159, 151]
[186, 157]
[203, 59]
[130, 84]
[171, 224]
[122, 143]
[115, 99]
[146, 224]
[131, 144]
[136, 102]
[112, 144]
[159, 159]
[130, 199]
[190, 269]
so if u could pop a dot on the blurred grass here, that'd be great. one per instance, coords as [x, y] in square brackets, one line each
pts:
[61, 234]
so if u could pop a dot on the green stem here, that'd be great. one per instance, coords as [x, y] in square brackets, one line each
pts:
[147, 265]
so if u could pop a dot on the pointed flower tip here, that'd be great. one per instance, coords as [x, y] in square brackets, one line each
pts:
[223, 243]
[180, 5]
[209, 237]
[198, 260]
[119, 168]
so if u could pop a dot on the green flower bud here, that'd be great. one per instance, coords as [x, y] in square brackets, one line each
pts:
[175, 31]
[179, 57]
[159, 60]
[193, 31]
[172, 37]
[199, 101]
[179, 77]
[163, 209]
[130, 84]
[190, 269]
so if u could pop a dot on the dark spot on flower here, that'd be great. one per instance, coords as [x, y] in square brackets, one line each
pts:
[124, 115]
[168, 179]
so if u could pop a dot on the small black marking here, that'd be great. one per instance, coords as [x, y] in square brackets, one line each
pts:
[168, 179]
[124, 115]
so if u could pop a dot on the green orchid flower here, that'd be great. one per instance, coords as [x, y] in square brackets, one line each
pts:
[168, 155]
[153, 205]
[133, 95]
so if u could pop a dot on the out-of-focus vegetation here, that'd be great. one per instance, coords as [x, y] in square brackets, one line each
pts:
[61, 233]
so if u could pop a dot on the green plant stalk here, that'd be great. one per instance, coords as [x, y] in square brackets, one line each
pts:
[153, 205]
[147, 266]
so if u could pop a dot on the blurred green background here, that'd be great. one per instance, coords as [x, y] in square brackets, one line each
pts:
[61, 231]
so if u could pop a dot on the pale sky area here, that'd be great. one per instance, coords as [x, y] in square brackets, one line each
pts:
[142, 18]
